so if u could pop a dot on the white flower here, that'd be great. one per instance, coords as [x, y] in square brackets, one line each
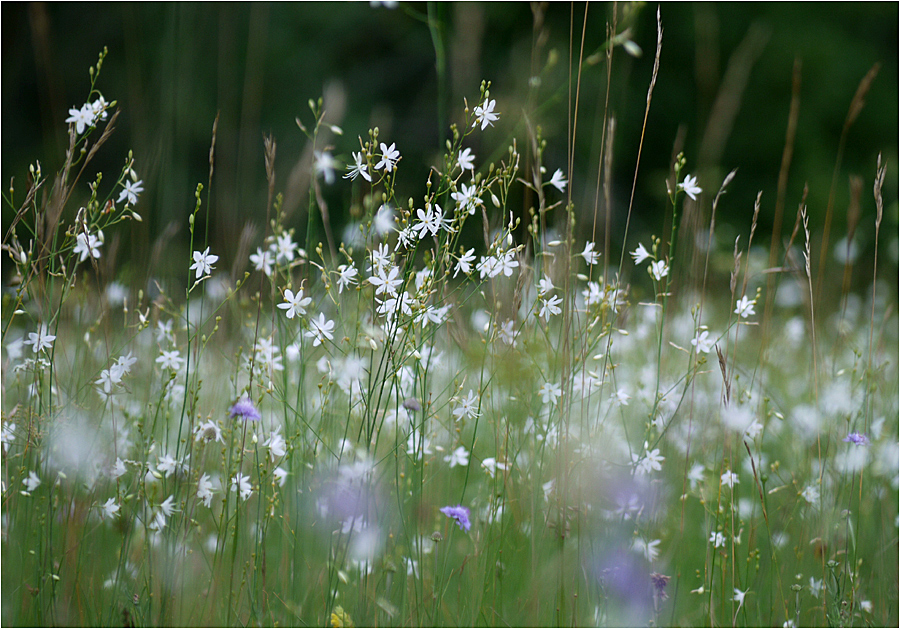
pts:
[507, 262]
[590, 256]
[359, 168]
[466, 159]
[294, 304]
[640, 254]
[118, 469]
[491, 465]
[276, 445]
[32, 482]
[550, 307]
[650, 550]
[386, 283]
[717, 540]
[467, 198]
[324, 165]
[262, 261]
[815, 587]
[168, 506]
[167, 465]
[690, 187]
[205, 490]
[209, 431]
[170, 359]
[82, 118]
[464, 263]
[558, 180]
[241, 483]
[730, 478]
[739, 596]
[460, 456]
[545, 285]
[280, 476]
[203, 263]
[131, 191]
[346, 276]
[389, 157]
[621, 396]
[703, 342]
[110, 508]
[485, 115]
[651, 461]
[659, 269]
[40, 340]
[550, 392]
[695, 475]
[468, 407]
[810, 494]
[745, 307]
[284, 247]
[88, 245]
[319, 330]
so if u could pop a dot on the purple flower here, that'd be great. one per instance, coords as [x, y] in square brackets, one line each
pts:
[244, 409]
[660, 581]
[858, 438]
[460, 514]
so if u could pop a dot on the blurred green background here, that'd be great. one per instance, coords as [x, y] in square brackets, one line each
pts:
[724, 87]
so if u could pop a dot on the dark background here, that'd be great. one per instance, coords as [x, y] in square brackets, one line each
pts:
[173, 66]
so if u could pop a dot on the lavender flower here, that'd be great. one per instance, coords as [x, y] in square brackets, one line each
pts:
[460, 514]
[244, 409]
[858, 438]
[659, 584]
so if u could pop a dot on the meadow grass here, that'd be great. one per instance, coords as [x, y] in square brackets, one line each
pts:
[396, 428]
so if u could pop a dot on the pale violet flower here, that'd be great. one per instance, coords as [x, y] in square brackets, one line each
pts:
[690, 187]
[558, 181]
[130, 192]
[389, 157]
[640, 254]
[294, 304]
[745, 307]
[484, 114]
[590, 256]
[203, 263]
[466, 159]
[88, 245]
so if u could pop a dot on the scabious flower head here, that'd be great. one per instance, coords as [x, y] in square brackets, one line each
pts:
[244, 409]
[858, 438]
[460, 514]
[660, 581]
